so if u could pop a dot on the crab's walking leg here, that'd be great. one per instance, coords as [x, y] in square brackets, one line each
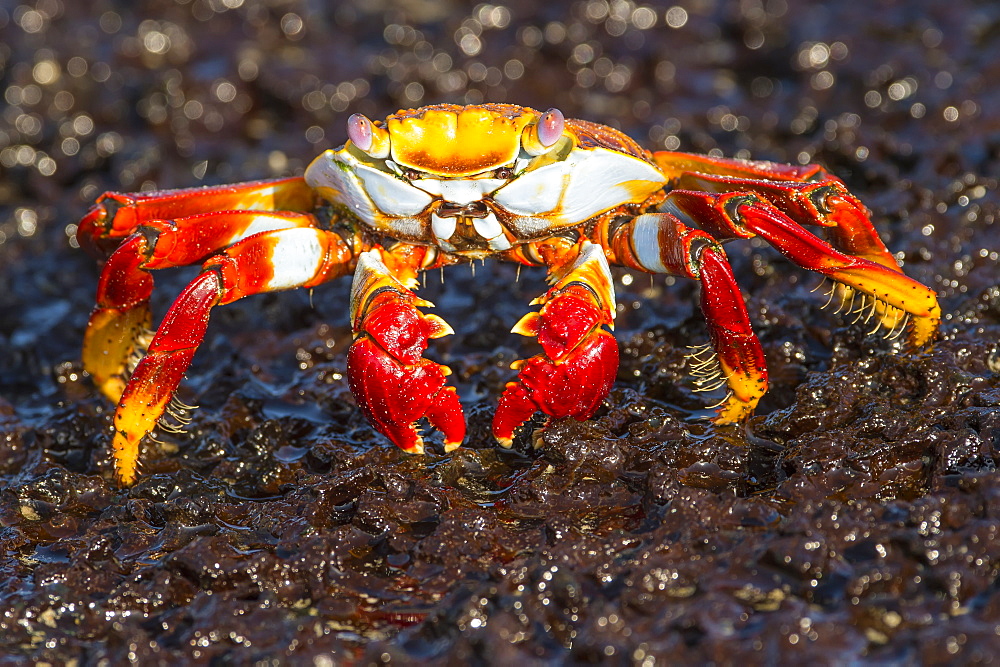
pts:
[579, 358]
[116, 215]
[265, 262]
[742, 215]
[167, 228]
[392, 382]
[660, 243]
[120, 320]
[118, 330]
[807, 193]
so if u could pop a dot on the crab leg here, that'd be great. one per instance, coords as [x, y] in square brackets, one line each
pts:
[391, 381]
[579, 360]
[118, 330]
[661, 243]
[117, 215]
[265, 262]
[807, 193]
[893, 294]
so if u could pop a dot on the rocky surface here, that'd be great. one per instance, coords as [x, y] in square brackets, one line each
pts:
[855, 518]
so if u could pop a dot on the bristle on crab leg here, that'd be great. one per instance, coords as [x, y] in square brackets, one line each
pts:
[861, 310]
[725, 399]
[895, 333]
[886, 315]
[698, 350]
[820, 285]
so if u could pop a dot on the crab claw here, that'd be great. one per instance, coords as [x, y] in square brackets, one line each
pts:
[391, 381]
[579, 359]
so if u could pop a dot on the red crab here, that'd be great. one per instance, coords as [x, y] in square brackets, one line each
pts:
[444, 184]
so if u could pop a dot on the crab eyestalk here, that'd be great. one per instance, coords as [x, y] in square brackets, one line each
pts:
[367, 136]
[539, 138]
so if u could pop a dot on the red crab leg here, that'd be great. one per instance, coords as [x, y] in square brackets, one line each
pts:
[116, 215]
[392, 382]
[118, 329]
[742, 215]
[806, 193]
[265, 262]
[579, 360]
[660, 243]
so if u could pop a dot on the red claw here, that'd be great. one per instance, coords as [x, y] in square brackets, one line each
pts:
[394, 395]
[392, 382]
[579, 359]
[573, 387]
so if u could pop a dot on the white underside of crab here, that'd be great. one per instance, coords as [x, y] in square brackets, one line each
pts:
[557, 194]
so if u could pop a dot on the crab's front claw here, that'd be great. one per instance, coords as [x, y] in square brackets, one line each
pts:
[391, 381]
[579, 359]
[395, 395]
[574, 386]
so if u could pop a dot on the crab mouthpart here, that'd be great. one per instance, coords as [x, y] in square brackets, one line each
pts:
[443, 228]
[469, 229]
[476, 209]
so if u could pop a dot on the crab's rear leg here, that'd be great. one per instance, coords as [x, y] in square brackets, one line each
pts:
[579, 359]
[661, 243]
[265, 262]
[118, 331]
[807, 193]
[890, 296]
[392, 382]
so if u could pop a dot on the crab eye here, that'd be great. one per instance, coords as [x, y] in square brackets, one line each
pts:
[367, 137]
[538, 138]
[550, 127]
[411, 174]
[505, 173]
[359, 131]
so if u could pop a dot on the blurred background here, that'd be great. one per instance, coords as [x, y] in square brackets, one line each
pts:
[899, 99]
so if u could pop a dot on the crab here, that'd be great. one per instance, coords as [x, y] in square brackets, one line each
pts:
[446, 184]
